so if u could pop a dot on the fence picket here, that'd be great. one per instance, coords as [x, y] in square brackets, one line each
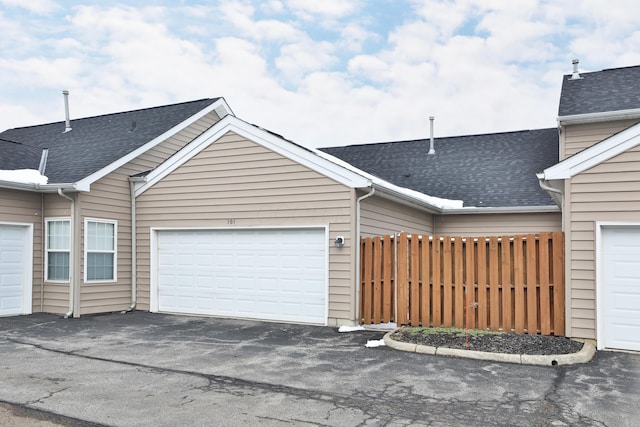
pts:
[447, 283]
[543, 262]
[414, 270]
[494, 284]
[425, 278]
[377, 280]
[403, 278]
[436, 273]
[518, 278]
[505, 268]
[388, 304]
[558, 283]
[532, 288]
[482, 283]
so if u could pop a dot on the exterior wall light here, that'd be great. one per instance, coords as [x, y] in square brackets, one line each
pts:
[339, 242]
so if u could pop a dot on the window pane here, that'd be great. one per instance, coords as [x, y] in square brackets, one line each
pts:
[100, 236]
[58, 268]
[99, 266]
[58, 235]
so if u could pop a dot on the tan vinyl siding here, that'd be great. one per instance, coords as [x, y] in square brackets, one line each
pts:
[607, 192]
[109, 199]
[576, 138]
[56, 295]
[380, 216]
[26, 207]
[498, 224]
[238, 181]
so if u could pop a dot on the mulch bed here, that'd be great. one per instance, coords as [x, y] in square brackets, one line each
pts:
[494, 342]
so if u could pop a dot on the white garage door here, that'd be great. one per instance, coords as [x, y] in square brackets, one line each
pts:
[621, 288]
[277, 274]
[14, 270]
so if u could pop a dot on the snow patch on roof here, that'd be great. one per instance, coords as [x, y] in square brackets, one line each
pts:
[23, 176]
[425, 198]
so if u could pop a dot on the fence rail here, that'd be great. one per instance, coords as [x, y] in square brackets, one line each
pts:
[508, 283]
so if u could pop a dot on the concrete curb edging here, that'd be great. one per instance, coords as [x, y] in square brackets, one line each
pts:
[583, 356]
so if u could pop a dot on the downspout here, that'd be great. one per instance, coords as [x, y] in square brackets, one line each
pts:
[134, 248]
[550, 189]
[360, 199]
[42, 251]
[71, 252]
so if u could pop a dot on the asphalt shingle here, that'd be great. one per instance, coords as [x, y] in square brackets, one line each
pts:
[612, 89]
[93, 142]
[490, 170]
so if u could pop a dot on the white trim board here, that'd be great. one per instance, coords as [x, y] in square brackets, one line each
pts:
[268, 140]
[219, 106]
[594, 155]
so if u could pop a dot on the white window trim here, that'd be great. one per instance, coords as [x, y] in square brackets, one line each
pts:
[115, 249]
[46, 247]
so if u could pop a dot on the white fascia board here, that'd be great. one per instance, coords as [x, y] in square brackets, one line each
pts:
[599, 117]
[40, 188]
[220, 106]
[305, 157]
[594, 155]
[503, 210]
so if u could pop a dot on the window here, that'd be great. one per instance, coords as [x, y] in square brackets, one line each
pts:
[58, 248]
[100, 243]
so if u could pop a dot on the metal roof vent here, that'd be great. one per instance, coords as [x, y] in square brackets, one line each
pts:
[432, 149]
[576, 74]
[67, 122]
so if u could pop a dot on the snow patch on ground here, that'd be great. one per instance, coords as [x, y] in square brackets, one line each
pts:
[23, 176]
[374, 343]
[350, 328]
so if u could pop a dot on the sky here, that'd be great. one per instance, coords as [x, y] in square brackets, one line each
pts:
[318, 72]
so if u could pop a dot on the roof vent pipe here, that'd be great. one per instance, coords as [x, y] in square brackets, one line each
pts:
[67, 122]
[576, 73]
[432, 150]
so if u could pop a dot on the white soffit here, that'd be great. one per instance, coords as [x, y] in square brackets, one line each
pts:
[262, 137]
[594, 155]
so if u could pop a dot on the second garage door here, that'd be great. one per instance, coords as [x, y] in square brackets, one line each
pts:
[275, 274]
[621, 288]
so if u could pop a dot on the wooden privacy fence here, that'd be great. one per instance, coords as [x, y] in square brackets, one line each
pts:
[508, 283]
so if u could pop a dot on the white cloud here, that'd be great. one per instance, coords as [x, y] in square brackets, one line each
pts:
[320, 73]
[35, 6]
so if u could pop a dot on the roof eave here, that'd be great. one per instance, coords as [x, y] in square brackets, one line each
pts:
[502, 209]
[42, 188]
[599, 117]
[389, 194]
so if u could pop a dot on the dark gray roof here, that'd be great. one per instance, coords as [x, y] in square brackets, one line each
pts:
[613, 89]
[19, 156]
[94, 142]
[492, 170]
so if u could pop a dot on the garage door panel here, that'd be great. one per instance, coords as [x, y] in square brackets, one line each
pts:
[621, 288]
[15, 263]
[264, 274]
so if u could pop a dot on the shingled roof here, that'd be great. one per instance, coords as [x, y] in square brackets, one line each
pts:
[93, 143]
[490, 170]
[614, 89]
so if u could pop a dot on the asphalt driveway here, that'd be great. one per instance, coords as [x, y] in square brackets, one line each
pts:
[165, 370]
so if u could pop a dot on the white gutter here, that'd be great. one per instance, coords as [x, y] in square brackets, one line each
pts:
[360, 199]
[71, 253]
[504, 209]
[600, 117]
[555, 193]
